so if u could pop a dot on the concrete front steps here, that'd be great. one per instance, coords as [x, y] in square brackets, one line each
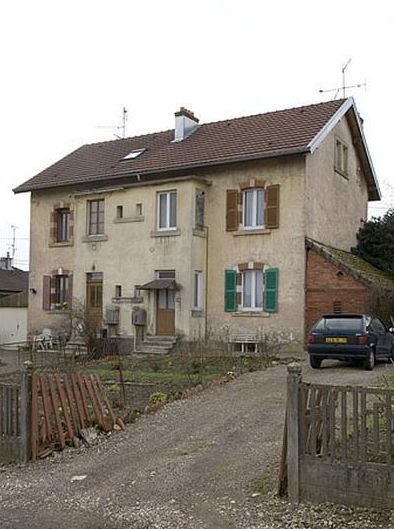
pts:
[156, 345]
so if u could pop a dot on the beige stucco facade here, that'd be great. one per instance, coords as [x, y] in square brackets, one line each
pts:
[315, 202]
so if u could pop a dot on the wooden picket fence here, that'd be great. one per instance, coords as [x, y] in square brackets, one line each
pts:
[63, 405]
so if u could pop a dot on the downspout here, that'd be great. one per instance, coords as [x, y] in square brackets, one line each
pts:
[206, 285]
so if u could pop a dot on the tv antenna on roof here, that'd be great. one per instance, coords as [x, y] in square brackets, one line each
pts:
[13, 245]
[121, 127]
[344, 87]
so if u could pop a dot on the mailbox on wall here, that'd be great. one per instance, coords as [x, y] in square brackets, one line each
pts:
[138, 316]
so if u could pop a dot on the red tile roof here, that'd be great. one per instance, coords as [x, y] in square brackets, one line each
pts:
[261, 136]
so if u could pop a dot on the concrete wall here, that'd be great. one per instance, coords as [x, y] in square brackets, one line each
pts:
[335, 205]
[13, 324]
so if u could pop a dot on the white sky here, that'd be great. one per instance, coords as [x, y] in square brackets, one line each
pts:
[68, 67]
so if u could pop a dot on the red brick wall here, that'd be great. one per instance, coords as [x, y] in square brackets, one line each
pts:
[326, 284]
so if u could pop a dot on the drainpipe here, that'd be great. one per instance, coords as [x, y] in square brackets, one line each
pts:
[206, 284]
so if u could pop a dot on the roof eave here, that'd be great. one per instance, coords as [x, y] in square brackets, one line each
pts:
[239, 159]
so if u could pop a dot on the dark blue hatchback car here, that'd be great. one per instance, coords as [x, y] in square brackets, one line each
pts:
[354, 337]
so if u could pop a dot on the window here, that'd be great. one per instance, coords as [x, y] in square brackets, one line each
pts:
[118, 291]
[341, 157]
[252, 290]
[63, 225]
[166, 210]
[253, 208]
[61, 286]
[119, 212]
[96, 217]
[139, 208]
[198, 291]
[133, 154]
[165, 274]
[199, 210]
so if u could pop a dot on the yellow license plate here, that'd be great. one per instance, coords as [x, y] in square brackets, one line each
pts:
[336, 340]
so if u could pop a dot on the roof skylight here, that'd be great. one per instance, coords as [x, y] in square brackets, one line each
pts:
[133, 154]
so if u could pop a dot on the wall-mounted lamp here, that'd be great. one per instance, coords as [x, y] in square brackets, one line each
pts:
[33, 290]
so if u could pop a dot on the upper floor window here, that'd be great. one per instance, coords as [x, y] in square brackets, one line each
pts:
[341, 157]
[62, 225]
[61, 287]
[253, 208]
[199, 210]
[166, 210]
[96, 217]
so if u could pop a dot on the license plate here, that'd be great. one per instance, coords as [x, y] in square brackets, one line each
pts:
[336, 340]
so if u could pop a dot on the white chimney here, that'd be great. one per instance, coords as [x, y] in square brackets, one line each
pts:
[185, 124]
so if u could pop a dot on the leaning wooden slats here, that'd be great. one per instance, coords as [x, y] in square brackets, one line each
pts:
[65, 404]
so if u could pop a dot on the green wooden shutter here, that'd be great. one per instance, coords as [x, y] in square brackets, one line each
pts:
[230, 291]
[271, 281]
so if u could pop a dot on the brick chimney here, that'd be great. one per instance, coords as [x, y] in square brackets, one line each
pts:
[185, 124]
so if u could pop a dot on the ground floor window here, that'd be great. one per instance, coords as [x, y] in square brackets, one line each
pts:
[198, 291]
[61, 287]
[252, 290]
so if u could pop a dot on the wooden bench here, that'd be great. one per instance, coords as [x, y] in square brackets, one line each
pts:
[245, 339]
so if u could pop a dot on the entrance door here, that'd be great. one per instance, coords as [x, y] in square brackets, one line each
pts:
[94, 300]
[165, 312]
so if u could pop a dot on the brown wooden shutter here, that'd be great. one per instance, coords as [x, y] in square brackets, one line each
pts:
[272, 207]
[46, 291]
[232, 210]
[69, 293]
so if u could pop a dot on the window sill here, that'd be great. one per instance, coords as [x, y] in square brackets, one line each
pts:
[198, 313]
[131, 299]
[60, 244]
[250, 314]
[258, 231]
[125, 220]
[165, 233]
[57, 311]
[344, 175]
[199, 233]
[95, 238]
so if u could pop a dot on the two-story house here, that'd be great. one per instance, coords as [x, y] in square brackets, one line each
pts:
[203, 226]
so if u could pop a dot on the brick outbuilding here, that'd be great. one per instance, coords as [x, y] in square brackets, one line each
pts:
[337, 282]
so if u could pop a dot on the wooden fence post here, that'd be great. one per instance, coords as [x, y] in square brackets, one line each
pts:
[26, 411]
[293, 432]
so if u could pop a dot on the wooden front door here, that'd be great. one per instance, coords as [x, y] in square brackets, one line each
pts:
[165, 312]
[94, 302]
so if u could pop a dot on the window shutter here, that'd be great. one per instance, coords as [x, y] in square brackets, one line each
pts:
[46, 292]
[230, 291]
[271, 281]
[69, 293]
[232, 210]
[272, 207]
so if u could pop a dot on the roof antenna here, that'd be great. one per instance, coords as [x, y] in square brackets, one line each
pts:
[121, 127]
[13, 245]
[344, 87]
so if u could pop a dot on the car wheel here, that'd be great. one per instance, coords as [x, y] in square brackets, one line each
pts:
[369, 362]
[315, 362]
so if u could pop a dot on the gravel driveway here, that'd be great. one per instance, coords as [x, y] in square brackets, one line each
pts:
[193, 464]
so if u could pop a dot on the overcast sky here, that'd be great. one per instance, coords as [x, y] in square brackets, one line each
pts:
[68, 68]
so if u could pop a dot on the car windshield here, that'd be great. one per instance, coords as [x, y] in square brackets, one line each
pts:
[340, 324]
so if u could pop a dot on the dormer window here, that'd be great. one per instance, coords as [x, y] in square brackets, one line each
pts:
[133, 154]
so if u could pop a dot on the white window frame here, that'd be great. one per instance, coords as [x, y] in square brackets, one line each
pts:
[254, 224]
[253, 307]
[341, 157]
[168, 194]
[198, 291]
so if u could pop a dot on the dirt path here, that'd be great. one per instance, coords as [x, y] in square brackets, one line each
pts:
[190, 465]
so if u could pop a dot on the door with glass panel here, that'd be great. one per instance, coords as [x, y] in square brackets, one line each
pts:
[94, 300]
[165, 313]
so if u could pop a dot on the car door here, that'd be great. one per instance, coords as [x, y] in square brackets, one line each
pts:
[379, 331]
